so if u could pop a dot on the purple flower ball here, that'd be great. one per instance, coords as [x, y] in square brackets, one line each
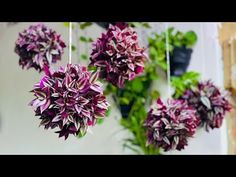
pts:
[118, 55]
[170, 125]
[71, 99]
[38, 46]
[210, 103]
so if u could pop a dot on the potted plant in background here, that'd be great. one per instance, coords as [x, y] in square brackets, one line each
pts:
[104, 25]
[180, 48]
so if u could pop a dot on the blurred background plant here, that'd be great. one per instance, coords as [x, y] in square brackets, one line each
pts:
[180, 43]
[188, 80]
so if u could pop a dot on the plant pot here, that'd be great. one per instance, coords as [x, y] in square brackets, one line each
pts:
[124, 110]
[104, 25]
[180, 60]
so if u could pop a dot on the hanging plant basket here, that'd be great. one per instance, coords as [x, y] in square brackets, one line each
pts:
[179, 60]
[104, 25]
[125, 109]
[123, 106]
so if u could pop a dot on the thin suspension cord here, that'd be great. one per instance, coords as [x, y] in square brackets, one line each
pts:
[70, 42]
[168, 59]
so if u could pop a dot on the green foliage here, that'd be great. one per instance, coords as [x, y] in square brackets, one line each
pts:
[86, 39]
[84, 25]
[157, 44]
[110, 89]
[155, 94]
[67, 24]
[100, 121]
[108, 112]
[134, 124]
[187, 81]
[84, 56]
[137, 85]
[81, 133]
[135, 95]
[92, 68]
[124, 101]
[139, 24]
[190, 38]
[73, 48]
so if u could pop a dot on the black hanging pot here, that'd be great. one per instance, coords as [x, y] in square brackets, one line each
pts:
[179, 60]
[125, 109]
[105, 25]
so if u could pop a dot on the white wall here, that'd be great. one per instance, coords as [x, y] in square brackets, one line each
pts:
[19, 131]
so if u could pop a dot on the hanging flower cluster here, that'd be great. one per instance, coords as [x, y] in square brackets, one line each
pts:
[38, 46]
[169, 125]
[210, 104]
[117, 54]
[70, 98]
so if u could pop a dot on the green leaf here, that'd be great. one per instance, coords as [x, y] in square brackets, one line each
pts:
[134, 24]
[81, 133]
[84, 25]
[155, 94]
[92, 68]
[124, 101]
[100, 121]
[86, 39]
[153, 52]
[146, 25]
[161, 56]
[66, 24]
[131, 148]
[89, 39]
[163, 65]
[170, 30]
[125, 123]
[84, 56]
[73, 48]
[137, 85]
[83, 39]
[153, 76]
[191, 38]
[188, 80]
[108, 112]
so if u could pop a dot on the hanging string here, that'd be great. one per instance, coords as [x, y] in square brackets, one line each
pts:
[76, 27]
[70, 42]
[203, 51]
[168, 59]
